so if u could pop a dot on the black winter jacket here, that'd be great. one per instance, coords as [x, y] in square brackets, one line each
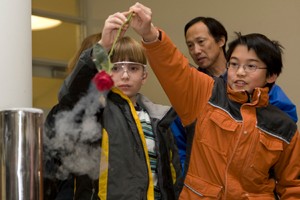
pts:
[123, 145]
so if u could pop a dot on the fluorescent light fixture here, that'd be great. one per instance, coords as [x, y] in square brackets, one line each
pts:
[41, 23]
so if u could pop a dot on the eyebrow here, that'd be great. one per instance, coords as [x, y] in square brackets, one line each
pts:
[248, 60]
[196, 39]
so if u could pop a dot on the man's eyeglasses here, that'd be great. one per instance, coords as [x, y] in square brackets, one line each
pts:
[249, 68]
[128, 67]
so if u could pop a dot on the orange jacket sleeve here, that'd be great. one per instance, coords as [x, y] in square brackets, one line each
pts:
[187, 89]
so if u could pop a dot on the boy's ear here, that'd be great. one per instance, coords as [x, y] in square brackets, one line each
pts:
[145, 75]
[272, 78]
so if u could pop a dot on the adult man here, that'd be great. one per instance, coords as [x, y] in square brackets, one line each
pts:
[206, 41]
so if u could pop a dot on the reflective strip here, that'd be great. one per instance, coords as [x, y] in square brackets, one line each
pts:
[193, 190]
[173, 171]
[103, 176]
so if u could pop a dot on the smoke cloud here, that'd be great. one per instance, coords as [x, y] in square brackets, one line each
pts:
[74, 146]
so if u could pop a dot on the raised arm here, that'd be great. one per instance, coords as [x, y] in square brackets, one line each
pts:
[187, 89]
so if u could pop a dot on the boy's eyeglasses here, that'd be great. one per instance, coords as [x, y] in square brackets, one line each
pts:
[249, 68]
[128, 67]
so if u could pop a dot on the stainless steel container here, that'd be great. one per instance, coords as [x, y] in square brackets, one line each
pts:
[21, 154]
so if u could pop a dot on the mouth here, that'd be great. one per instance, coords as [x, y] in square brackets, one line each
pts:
[201, 59]
[124, 86]
[240, 83]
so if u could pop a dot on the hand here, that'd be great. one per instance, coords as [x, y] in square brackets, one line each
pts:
[111, 27]
[142, 22]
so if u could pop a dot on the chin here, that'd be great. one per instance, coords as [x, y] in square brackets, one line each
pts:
[128, 94]
[238, 89]
[203, 66]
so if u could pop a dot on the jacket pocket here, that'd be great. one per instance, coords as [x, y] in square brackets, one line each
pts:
[197, 188]
[264, 154]
[267, 153]
[217, 132]
[223, 121]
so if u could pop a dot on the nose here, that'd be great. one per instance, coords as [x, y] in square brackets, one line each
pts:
[197, 49]
[241, 70]
[125, 74]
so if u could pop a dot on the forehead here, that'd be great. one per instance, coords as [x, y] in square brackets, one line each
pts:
[198, 30]
[242, 53]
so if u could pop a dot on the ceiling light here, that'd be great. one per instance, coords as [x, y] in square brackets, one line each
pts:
[40, 23]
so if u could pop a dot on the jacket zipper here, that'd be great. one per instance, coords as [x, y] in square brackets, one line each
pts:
[233, 153]
[93, 190]
[140, 144]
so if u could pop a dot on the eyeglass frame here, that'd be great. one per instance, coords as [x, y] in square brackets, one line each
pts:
[245, 67]
[127, 63]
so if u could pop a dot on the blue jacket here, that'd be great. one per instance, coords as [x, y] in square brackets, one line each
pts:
[180, 137]
[279, 99]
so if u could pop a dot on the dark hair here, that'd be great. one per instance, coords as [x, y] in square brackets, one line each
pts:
[269, 51]
[216, 29]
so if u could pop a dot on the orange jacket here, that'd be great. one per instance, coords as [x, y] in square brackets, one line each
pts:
[240, 150]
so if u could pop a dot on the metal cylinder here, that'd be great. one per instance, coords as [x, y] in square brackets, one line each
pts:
[21, 154]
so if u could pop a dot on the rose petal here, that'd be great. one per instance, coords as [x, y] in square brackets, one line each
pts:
[103, 81]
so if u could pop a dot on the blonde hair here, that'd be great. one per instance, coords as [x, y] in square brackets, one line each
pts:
[128, 49]
[88, 42]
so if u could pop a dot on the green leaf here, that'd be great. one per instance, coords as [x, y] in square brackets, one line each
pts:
[100, 58]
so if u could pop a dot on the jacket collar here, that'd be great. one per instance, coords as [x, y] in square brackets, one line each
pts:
[154, 110]
[258, 98]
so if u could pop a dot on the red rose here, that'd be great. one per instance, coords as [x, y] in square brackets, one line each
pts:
[103, 81]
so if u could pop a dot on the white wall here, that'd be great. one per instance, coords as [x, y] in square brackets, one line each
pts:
[277, 19]
[15, 55]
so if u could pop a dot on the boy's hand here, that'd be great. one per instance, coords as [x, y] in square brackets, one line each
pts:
[111, 27]
[142, 22]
